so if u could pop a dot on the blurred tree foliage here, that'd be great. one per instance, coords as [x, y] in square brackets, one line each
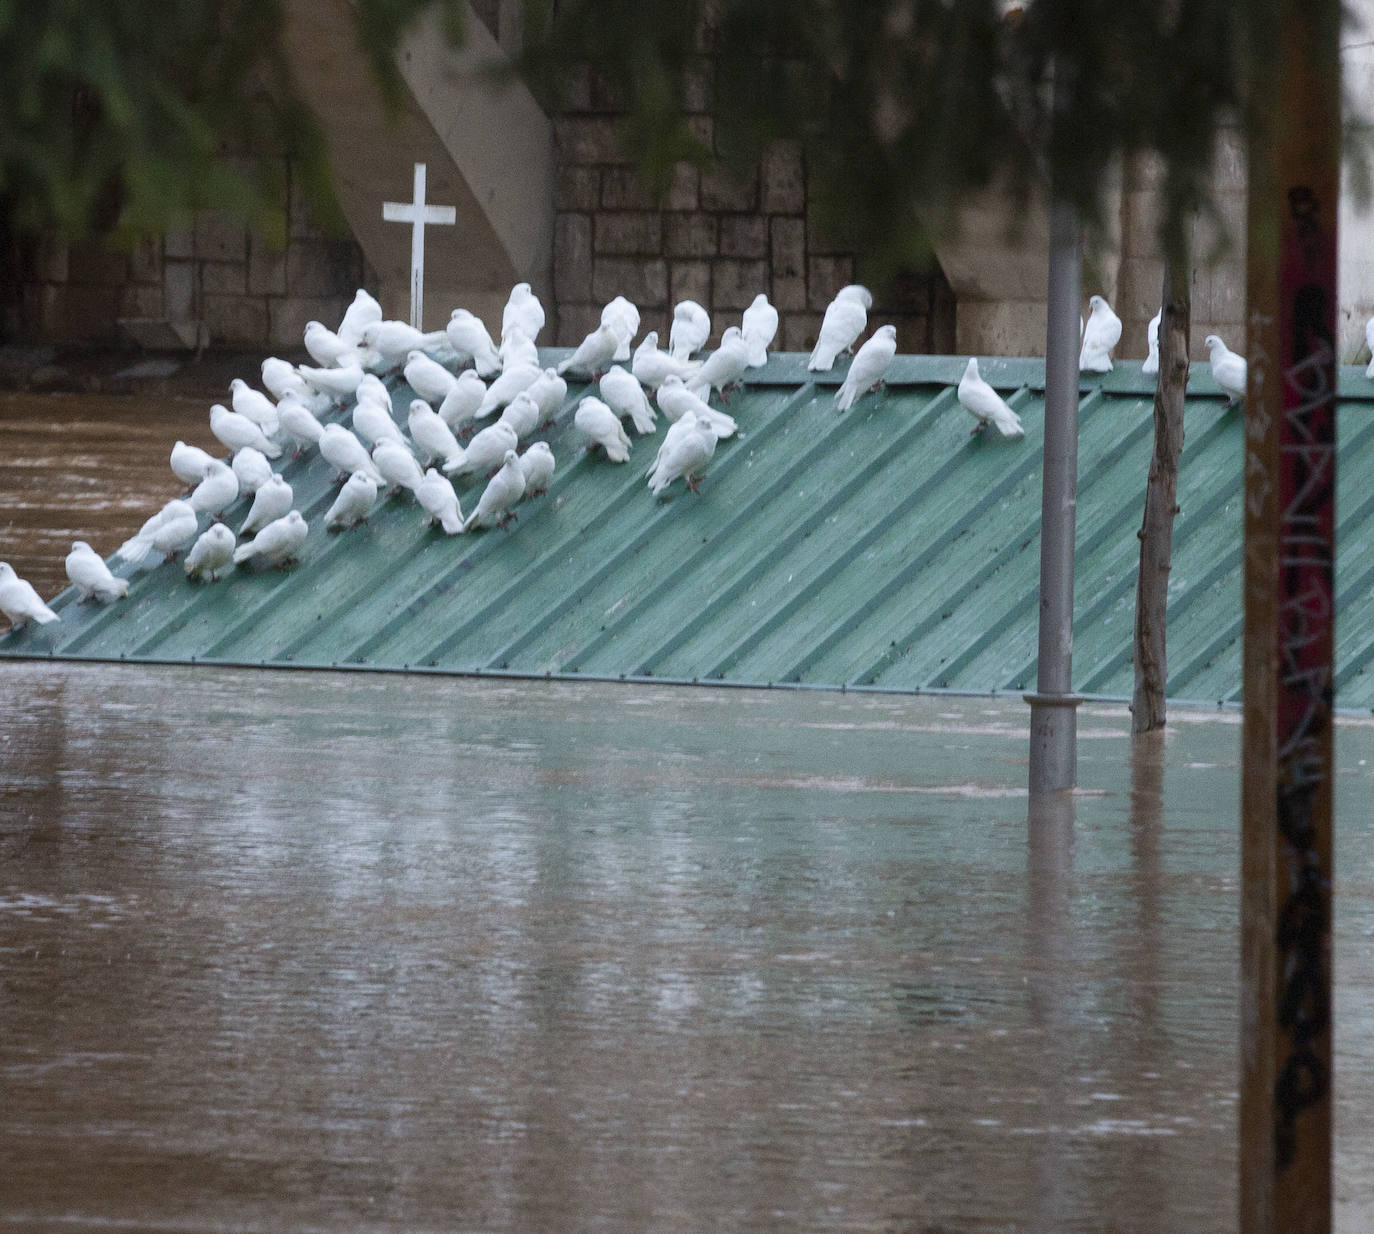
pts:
[116, 114]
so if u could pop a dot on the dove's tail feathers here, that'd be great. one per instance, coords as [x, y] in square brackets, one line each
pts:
[244, 552]
[643, 419]
[1369, 372]
[452, 522]
[1150, 366]
[456, 465]
[845, 396]
[758, 355]
[822, 359]
[702, 390]
[658, 481]
[722, 424]
[617, 451]
[136, 550]
[564, 366]
[270, 448]
[622, 352]
[471, 521]
[487, 364]
[115, 589]
[1009, 424]
[44, 615]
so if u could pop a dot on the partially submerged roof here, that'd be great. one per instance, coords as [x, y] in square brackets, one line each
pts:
[883, 548]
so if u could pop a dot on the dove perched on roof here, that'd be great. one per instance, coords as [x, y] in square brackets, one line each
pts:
[254, 404]
[334, 383]
[690, 329]
[461, 403]
[650, 365]
[1227, 367]
[687, 446]
[485, 450]
[277, 544]
[251, 469]
[270, 502]
[548, 391]
[503, 490]
[723, 367]
[593, 354]
[623, 318]
[517, 348]
[91, 576]
[386, 344]
[435, 494]
[868, 368]
[373, 387]
[1369, 341]
[20, 602]
[429, 379]
[623, 394]
[354, 502]
[358, 316]
[218, 488]
[395, 461]
[1151, 362]
[373, 424]
[326, 348]
[237, 431]
[188, 463]
[279, 378]
[986, 406]
[299, 423]
[468, 336]
[1101, 332]
[522, 414]
[506, 387]
[432, 437]
[346, 454]
[602, 427]
[211, 553]
[168, 531]
[524, 310]
[758, 328]
[675, 400]
[536, 465]
[845, 318]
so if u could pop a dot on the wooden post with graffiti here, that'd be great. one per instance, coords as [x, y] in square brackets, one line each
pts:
[1290, 493]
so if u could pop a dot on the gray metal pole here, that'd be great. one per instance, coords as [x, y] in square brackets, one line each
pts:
[1054, 718]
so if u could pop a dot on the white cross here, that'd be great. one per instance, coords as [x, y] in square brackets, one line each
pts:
[418, 214]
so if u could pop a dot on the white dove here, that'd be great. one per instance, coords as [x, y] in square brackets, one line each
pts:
[524, 310]
[254, 404]
[602, 427]
[325, 347]
[188, 463]
[461, 403]
[20, 602]
[675, 400]
[485, 450]
[168, 531]
[503, 490]
[251, 469]
[440, 502]
[218, 488]
[687, 446]
[429, 379]
[432, 437]
[623, 318]
[506, 387]
[299, 423]
[690, 329]
[1369, 340]
[1227, 367]
[625, 396]
[468, 336]
[279, 378]
[354, 502]
[386, 344]
[270, 502]
[650, 366]
[1150, 364]
[373, 387]
[236, 431]
[358, 316]
[536, 465]
[868, 368]
[985, 405]
[522, 414]
[373, 424]
[723, 367]
[758, 328]
[91, 576]
[346, 454]
[845, 318]
[517, 348]
[1101, 333]
[277, 544]
[336, 384]
[395, 461]
[548, 391]
[211, 552]
[592, 354]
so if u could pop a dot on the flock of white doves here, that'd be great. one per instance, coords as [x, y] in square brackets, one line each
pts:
[461, 377]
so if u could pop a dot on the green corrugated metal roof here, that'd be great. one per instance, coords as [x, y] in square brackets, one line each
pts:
[884, 548]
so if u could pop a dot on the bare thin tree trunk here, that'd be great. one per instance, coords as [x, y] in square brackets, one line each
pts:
[1161, 494]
